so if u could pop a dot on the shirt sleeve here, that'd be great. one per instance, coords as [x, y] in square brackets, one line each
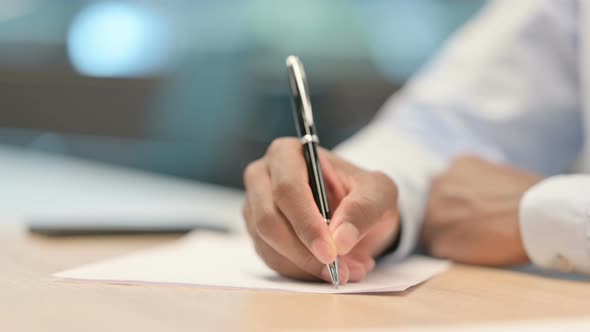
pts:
[555, 223]
[504, 88]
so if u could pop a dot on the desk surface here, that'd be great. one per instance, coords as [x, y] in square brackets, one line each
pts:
[30, 300]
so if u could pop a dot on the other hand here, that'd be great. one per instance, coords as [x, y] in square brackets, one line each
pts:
[472, 213]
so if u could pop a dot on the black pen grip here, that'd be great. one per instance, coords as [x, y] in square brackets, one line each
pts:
[316, 178]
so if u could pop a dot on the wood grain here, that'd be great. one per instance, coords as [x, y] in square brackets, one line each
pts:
[31, 300]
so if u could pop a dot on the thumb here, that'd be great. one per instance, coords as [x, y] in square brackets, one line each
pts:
[372, 195]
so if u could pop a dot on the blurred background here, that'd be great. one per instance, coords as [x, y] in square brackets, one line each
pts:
[197, 89]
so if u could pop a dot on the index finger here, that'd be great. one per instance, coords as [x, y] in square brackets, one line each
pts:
[293, 196]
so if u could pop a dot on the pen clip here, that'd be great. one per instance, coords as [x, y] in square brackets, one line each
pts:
[300, 90]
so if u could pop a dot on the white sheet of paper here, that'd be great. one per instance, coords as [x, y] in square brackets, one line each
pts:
[214, 260]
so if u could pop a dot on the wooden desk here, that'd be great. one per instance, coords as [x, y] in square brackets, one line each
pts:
[30, 300]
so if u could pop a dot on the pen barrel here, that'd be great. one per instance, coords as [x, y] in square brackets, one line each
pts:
[316, 178]
[303, 127]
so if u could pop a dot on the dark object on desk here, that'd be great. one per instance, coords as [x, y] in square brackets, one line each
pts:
[56, 227]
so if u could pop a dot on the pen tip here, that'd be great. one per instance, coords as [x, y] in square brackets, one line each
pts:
[333, 269]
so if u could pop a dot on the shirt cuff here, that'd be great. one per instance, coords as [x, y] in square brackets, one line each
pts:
[555, 223]
[382, 148]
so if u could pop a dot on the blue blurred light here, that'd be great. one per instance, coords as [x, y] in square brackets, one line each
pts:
[114, 39]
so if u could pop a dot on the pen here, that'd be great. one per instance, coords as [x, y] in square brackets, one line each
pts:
[309, 140]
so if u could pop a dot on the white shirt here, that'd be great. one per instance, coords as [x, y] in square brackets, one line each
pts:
[512, 86]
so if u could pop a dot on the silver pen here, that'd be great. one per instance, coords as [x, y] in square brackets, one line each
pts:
[309, 140]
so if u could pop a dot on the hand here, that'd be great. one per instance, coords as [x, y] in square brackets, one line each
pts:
[286, 226]
[472, 213]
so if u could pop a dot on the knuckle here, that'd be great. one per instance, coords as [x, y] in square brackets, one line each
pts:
[250, 170]
[282, 143]
[446, 194]
[367, 208]
[311, 264]
[266, 224]
[364, 204]
[308, 229]
[283, 189]
[311, 231]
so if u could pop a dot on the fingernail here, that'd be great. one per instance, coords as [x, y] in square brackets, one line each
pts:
[346, 237]
[324, 251]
